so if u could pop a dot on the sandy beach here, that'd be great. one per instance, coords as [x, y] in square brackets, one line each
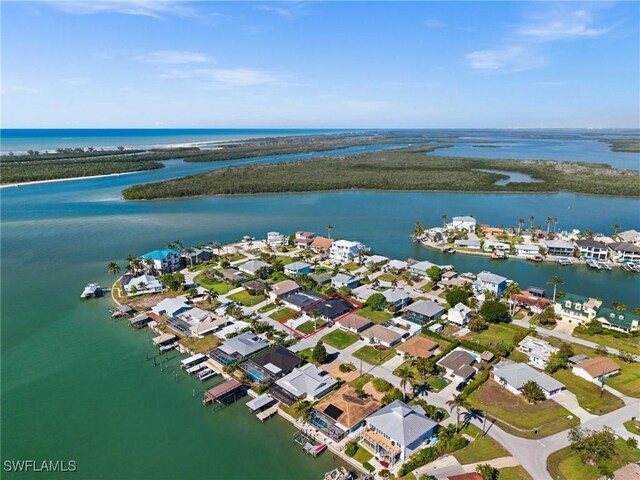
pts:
[54, 180]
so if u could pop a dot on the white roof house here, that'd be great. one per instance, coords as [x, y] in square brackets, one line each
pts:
[143, 284]
[460, 314]
[421, 268]
[490, 282]
[397, 296]
[397, 430]
[276, 239]
[538, 350]
[307, 383]
[462, 223]
[514, 376]
[363, 292]
[252, 266]
[395, 265]
[345, 251]
[374, 259]
[297, 268]
[343, 280]
[171, 306]
[527, 249]
[244, 344]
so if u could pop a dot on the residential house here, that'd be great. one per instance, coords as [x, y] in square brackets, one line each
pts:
[421, 268]
[559, 248]
[395, 265]
[624, 252]
[255, 287]
[252, 266]
[271, 364]
[233, 275]
[237, 348]
[321, 244]
[460, 364]
[577, 308]
[345, 251]
[334, 307]
[489, 231]
[282, 289]
[514, 376]
[164, 261]
[380, 335]
[344, 280]
[398, 297]
[303, 383]
[527, 300]
[321, 278]
[626, 321]
[140, 285]
[396, 431]
[375, 260]
[596, 369]
[419, 347]
[537, 350]
[592, 250]
[297, 268]
[301, 300]
[276, 239]
[354, 323]
[363, 292]
[212, 324]
[342, 412]
[490, 282]
[459, 315]
[463, 223]
[472, 243]
[423, 311]
[527, 249]
[304, 239]
[629, 236]
[171, 306]
[491, 245]
[197, 256]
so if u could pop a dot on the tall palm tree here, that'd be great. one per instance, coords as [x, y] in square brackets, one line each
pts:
[616, 228]
[329, 229]
[113, 268]
[417, 231]
[555, 223]
[405, 375]
[150, 265]
[130, 260]
[555, 280]
[314, 314]
[211, 296]
[548, 221]
[444, 217]
[521, 224]
[394, 283]
[455, 403]
[189, 251]
[531, 220]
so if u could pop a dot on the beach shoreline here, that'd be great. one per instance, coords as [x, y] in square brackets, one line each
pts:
[55, 180]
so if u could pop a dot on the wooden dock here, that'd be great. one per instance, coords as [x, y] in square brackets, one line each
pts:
[269, 412]
[225, 393]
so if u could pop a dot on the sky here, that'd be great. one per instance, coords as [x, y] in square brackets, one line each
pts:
[170, 64]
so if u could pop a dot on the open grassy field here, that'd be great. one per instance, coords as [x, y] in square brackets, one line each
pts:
[514, 473]
[495, 333]
[340, 339]
[285, 260]
[221, 288]
[374, 355]
[631, 345]
[588, 393]
[201, 345]
[281, 314]
[246, 299]
[566, 464]
[480, 449]
[519, 417]
[267, 308]
[376, 316]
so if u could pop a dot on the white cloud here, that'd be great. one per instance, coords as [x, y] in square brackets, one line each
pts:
[510, 58]
[576, 24]
[231, 77]
[286, 10]
[149, 8]
[433, 23]
[169, 57]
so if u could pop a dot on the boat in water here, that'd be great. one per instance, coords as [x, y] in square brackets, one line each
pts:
[604, 266]
[564, 261]
[535, 258]
[593, 264]
[338, 474]
[449, 250]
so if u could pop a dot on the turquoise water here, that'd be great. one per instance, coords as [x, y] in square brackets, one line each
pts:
[75, 385]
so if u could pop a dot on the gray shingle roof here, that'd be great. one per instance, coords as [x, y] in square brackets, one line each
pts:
[401, 422]
[517, 374]
[425, 307]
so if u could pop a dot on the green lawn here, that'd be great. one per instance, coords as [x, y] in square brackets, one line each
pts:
[362, 455]
[588, 393]
[284, 260]
[361, 381]
[201, 266]
[282, 314]
[235, 257]
[217, 286]
[632, 426]
[495, 333]
[518, 356]
[566, 464]
[376, 316]
[388, 277]
[374, 355]
[351, 266]
[519, 417]
[307, 354]
[631, 345]
[310, 326]
[246, 299]
[480, 449]
[340, 339]
[201, 345]
[437, 383]
[514, 473]
[267, 308]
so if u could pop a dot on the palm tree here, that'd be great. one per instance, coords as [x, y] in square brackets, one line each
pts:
[394, 283]
[329, 229]
[531, 220]
[417, 231]
[405, 375]
[455, 403]
[548, 221]
[150, 265]
[189, 251]
[555, 280]
[616, 228]
[178, 245]
[314, 314]
[555, 223]
[211, 296]
[130, 260]
[113, 268]
[521, 224]
[444, 217]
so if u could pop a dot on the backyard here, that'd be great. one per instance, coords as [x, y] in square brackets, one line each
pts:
[376, 316]
[435, 383]
[217, 286]
[588, 393]
[281, 314]
[246, 299]
[374, 355]
[201, 345]
[340, 339]
[310, 326]
[495, 333]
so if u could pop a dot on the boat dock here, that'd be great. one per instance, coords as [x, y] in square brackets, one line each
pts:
[308, 443]
[268, 413]
[92, 290]
[227, 392]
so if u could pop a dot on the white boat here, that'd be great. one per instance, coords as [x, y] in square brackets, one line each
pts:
[604, 266]
[564, 261]
[593, 264]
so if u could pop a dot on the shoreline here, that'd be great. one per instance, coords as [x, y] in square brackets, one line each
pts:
[55, 180]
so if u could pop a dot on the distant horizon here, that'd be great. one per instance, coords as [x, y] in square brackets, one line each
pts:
[320, 128]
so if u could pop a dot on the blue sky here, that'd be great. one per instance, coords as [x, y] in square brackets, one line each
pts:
[140, 63]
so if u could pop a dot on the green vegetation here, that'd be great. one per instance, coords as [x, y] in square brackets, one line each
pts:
[201, 345]
[588, 393]
[376, 316]
[307, 354]
[632, 426]
[514, 473]
[436, 383]
[631, 145]
[319, 353]
[246, 299]
[362, 455]
[361, 381]
[480, 449]
[340, 339]
[267, 308]
[374, 355]
[402, 169]
[609, 339]
[351, 266]
[310, 326]
[217, 286]
[281, 314]
[496, 332]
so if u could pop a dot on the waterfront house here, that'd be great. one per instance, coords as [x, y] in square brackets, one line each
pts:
[460, 364]
[537, 350]
[354, 323]
[395, 266]
[276, 239]
[140, 285]
[321, 244]
[419, 347]
[198, 255]
[271, 364]
[436, 234]
[363, 292]
[592, 250]
[527, 249]
[423, 311]
[491, 245]
[513, 376]
[165, 342]
[252, 266]
[140, 321]
[282, 289]
[235, 349]
[398, 297]
[577, 308]
[304, 239]
[625, 321]
[342, 412]
[212, 324]
[527, 300]
[334, 307]
[301, 300]
[463, 223]
[596, 369]
[304, 383]
[421, 268]
[489, 282]
[164, 261]
[233, 275]
[489, 231]
[624, 252]
[559, 248]
[343, 280]
[297, 268]
[321, 278]
[472, 243]
[375, 260]
[629, 236]
[393, 433]
[171, 306]
[459, 315]
[380, 335]
[345, 251]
